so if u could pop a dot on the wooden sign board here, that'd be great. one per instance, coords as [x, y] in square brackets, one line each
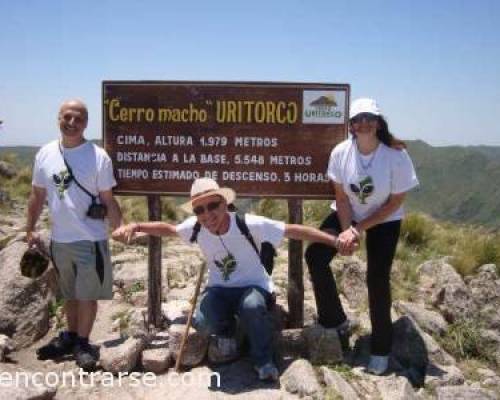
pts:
[261, 139]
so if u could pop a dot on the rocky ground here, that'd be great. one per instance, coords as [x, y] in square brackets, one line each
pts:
[311, 362]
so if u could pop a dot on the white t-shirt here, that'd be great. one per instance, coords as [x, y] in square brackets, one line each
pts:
[231, 259]
[68, 204]
[369, 180]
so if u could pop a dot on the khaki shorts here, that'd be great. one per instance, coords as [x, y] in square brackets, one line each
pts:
[84, 269]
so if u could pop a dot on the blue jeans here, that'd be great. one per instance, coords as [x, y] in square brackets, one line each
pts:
[219, 307]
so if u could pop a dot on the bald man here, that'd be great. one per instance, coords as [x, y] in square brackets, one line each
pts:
[75, 177]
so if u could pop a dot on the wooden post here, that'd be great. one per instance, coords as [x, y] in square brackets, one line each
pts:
[154, 266]
[295, 269]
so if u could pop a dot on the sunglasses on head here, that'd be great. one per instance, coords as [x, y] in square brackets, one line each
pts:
[198, 210]
[368, 117]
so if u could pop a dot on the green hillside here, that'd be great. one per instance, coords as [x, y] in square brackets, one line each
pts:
[460, 184]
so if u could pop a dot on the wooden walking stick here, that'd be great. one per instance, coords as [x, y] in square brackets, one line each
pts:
[190, 318]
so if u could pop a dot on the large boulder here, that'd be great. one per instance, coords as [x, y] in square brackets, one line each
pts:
[491, 339]
[443, 375]
[120, 354]
[291, 343]
[448, 292]
[333, 380]
[133, 273]
[430, 321]
[323, 345]
[464, 392]
[31, 387]
[353, 282]
[485, 290]
[300, 379]
[157, 358]
[196, 345]
[395, 388]
[24, 302]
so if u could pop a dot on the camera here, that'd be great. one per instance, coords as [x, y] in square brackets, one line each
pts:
[97, 211]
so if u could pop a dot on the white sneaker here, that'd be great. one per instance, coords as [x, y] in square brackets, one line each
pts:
[268, 372]
[378, 365]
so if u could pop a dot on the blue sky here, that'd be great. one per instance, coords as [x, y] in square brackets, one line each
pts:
[432, 65]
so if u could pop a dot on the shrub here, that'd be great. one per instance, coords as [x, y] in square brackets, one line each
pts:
[476, 248]
[416, 230]
[272, 208]
[315, 211]
[135, 208]
[463, 340]
[18, 187]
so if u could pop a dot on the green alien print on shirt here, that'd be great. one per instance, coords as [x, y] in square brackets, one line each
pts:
[226, 266]
[62, 181]
[363, 189]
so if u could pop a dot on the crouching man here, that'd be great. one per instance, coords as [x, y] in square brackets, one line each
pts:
[238, 284]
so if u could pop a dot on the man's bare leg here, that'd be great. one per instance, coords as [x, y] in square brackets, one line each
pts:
[87, 311]
[71, 311]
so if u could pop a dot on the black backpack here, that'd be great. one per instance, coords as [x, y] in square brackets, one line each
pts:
[267, 251]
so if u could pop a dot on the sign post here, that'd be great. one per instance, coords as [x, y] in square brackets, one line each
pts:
[295, 269]
[264, 140]
[154, 265]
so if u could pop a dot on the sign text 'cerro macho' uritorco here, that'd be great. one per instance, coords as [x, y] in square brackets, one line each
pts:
[261, 139]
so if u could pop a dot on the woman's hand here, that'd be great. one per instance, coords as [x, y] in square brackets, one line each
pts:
[348, 241]
[125, 233]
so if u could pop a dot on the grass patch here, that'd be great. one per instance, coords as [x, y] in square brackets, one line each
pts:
[344, 370]
[17, 187]
[54, 307]
[56, 312]
[127, 293]
[135, 208]
[124, 321]
[416, 230]
[475, 250]
[463, 341]
[470, 368]
[332, 394]
[271, 208]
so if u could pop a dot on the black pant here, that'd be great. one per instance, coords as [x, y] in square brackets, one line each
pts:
[381, 242]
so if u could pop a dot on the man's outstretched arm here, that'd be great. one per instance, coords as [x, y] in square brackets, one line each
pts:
[126, 233]
[301, 232]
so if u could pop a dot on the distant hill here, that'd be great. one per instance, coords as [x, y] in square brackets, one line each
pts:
[460, 184]
[24, 154]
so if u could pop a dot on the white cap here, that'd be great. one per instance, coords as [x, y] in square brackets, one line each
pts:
[204, 187]
[364, 105]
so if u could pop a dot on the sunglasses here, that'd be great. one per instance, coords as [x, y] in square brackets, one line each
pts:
[368, 117]
[199, 210]
[78, 120]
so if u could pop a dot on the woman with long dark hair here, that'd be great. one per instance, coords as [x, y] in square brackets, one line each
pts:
[371, 173]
